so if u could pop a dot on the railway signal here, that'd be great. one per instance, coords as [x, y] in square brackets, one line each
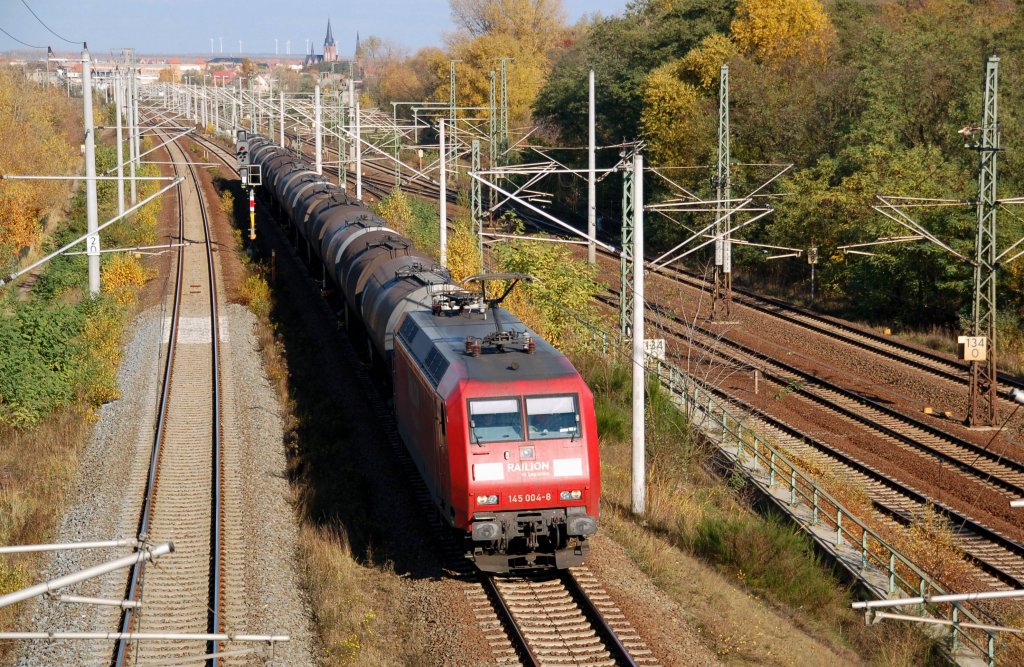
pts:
[250, 175]
[252, 214]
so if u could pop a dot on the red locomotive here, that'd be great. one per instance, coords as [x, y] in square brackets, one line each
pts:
[500, 425]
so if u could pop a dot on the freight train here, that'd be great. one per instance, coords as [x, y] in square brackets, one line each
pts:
[500, 425]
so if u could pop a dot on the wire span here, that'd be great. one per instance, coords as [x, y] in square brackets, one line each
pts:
[47, 27]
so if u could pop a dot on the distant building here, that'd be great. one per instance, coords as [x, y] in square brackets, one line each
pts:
[330, 54]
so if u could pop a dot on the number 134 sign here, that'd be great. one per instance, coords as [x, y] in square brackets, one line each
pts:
[972, 348]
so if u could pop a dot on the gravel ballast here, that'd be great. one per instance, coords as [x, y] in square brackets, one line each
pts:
[108, 490]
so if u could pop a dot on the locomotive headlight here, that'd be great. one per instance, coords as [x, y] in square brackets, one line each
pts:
[487, 500]
[571, 495]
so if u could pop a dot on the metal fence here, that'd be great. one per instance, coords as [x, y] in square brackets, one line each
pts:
[879, 566]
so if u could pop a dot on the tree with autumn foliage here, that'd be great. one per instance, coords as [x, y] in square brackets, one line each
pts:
[525, 31]
[674, 121]
[781, 29]
[36, 129]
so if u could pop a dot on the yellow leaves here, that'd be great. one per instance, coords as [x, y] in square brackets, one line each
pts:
[705, 62]
[776, 30]
[395, 209]
[463, 251]
[534, 23]
[526, 73]
[19, 214]
[32, 141]
[100, 354]
[671, 120]
[523, 30]
[227, 204]
[121, 275]
[256, 295]
[560, 297]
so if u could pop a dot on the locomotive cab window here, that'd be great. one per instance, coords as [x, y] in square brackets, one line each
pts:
[495, 420]
[551, 417]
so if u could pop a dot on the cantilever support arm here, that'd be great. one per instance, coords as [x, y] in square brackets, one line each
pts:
[904, 220]
[14, 276]
[146, 554]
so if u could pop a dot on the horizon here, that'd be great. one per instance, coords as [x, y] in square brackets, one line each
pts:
[423, 24]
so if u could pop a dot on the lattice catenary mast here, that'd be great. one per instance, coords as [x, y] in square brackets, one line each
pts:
[722, 296]
[984, 384]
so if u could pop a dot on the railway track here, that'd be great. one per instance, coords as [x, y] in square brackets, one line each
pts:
[999, 557]
[183, 492]
[566, 619]
[998, 472]
[924, 360]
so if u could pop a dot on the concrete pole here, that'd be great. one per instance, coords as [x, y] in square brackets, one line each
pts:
[119, 109]
[592, 180]
[92, 216]
[442, 178]
[351, 124]
[216, 108]
[133, 148]
[318, 131]
[639, 374]
[359, 157]
[281, 119]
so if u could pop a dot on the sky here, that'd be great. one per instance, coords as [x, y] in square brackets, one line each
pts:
[186, 26]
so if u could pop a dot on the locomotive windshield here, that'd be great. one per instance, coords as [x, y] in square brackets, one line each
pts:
[495, 420]
[549, 417]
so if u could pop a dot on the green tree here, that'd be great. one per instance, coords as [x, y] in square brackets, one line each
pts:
[831, 206]
[623, 50]
[561, 294]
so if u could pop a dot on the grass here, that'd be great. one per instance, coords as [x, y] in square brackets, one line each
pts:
[59, 354]
[696, 520]
[37, 466]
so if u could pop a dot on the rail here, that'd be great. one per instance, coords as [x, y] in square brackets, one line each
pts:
[138, 572]
[882, 569]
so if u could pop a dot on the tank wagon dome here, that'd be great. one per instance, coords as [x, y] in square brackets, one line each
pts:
[373, 250]
[412, 285]
[307, 197]
[332, 198]
[280, 169]
[293, 188]
[332, 227]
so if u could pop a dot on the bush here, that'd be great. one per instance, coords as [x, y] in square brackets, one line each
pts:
[121, 275]
[766, 555]
[256, 295]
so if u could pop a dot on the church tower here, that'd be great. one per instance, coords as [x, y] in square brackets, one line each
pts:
[330, 50]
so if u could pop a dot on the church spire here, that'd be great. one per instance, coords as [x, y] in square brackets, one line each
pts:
[330, 37]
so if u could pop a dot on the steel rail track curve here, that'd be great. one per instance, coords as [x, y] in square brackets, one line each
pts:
[136, 584]
[1005, 563]
[925, 360]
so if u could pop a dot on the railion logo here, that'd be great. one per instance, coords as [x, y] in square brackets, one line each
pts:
[530, 466]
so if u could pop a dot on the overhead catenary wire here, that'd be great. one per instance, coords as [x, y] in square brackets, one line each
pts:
[31, 46]
[52, 31]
